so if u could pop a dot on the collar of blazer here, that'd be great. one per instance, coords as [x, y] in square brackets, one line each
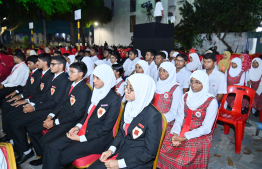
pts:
[79, 85]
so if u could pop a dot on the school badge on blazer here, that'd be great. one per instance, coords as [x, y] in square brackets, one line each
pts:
[32, 80]
[72, 100]
[100, 112]
[42, 85]
[53, 90]
[136, 132]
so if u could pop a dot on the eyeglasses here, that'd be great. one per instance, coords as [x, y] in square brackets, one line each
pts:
[53, 64]
[129, 90]
[181, 61]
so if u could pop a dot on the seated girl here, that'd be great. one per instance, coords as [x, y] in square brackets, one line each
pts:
[90, 78]
[188, 144]
[194, 63]
[142, 67]
[130, 63]
[119, 87]
[225, 62]
[137, 140]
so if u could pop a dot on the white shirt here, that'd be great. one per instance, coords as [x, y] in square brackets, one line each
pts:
[18, 76]
[158, 9]
[259, 89]
[183, 78]
[107, 62]
[120, 90]
[129, 66]
[242, 79]
[217, 82]
[94, 58]
[57, 75]
[153, 71]
[206, 126]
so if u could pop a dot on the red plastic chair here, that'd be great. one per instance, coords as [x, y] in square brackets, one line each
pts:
[234, 117]
[260, 115]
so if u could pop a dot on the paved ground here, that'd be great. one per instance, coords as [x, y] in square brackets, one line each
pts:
[222, 155]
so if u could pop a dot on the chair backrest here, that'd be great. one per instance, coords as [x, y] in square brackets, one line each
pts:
[10, 154]
[118, 121]
[164, 124]
[89, 86]
[240, 92]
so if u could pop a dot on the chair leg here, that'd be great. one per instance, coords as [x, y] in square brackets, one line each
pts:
[238, 139]
[243, 130]
[260, 115]
[226, 128]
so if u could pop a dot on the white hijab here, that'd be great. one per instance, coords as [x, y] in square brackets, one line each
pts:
[99, 62]
[144, 88]
[254, 74]
[32, 52]
[195, 64]
[165, 52]
[233, 72]
[163, 86]
[144, 66]
[195, 99]
[89, 64]
[175, 54]
[106, 74]
[139, 54]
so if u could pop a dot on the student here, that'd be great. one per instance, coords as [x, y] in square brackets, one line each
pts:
[139, 55]
[107, 55]
[137, 140]
[168, 93]
[81, 53]
[93, 134]
[34, 111]
[224, 64]
[119, 87]
[254, 76]
[78, 58]
[142, 67]
[245, 59]
[217, 80]
[115, 58]
[94, 52]
[16, 79]
[166, 53]
[150, 54]
[160, 58]
[57, 53]
[188, 144]
[65, 115]
[89, 64]
[90, 78]
[130, 63]
[69, 60]
[87, 53]
[182, 74]
[194, 63]
[173, 56]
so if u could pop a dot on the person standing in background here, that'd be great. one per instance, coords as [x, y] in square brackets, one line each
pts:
[159, 11]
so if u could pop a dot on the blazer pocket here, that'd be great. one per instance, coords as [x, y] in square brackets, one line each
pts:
[136, 132]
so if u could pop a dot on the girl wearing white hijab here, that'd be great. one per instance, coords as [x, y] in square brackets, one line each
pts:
[194, 63]
[142, 67]
[191, 133]
[168, 92]
[165, 52]
[139, 54]
[235, 75]
[174, 57]
[90, 78]
[140, 130]
[254, 75]
[93, 133]
[130, 63]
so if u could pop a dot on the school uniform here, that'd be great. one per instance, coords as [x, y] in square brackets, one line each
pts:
[95, 128]
[195, 64]
[89, 64]
[154, 71]
[94, 58]
[195, 118]
[129, 66]
[18, 125]
[144, 66]
[107, 61]
[65, 115]
[119, 87]
[183, 78]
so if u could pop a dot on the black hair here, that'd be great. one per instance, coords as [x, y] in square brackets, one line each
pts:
[60, 59]
[66, 54]
[152, 51]
[117, 56]
[87, 51]
[182, 55]
[45, 57]
[80, 66]
[58, 52]
[109, 51]
[17, 52]
[95, 49]
[21, 56]
[32, 58]
[81, 51]
[134, 51]
[210, 56]
[119, 68]
[162, 54]
[79, 58]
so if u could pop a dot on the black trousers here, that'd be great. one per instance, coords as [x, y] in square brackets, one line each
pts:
[18, 127]
[158, 19]
[6, 91]
[99, 165]
[39, 141]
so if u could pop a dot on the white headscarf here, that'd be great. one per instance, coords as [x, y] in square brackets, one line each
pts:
[32, 52]
[47, 50]
[165, 52]
[254, 74]
[195, 99]
[144, 88]
[195, 64]
[175, 54]
[99, 62]
[89, 64]
[144, 66]
[106, 74]
[233, 72]
[163, 86]
[139, 54]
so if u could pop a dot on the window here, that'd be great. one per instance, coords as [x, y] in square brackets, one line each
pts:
[132, 22]
[132, 5]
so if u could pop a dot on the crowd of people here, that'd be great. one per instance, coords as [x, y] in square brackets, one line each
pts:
[44, 97]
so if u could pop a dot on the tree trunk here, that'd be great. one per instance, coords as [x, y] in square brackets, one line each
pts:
[44, 28]
[72, 34]
[229, 48]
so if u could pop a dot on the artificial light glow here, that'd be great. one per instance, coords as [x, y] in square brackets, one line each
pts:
[4, 18]
[96, 23]
[259, 29]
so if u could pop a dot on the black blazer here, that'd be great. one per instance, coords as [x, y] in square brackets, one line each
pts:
[31, 84]
[99, 129]
[45, 83]
[73, 106]
[54, 95]
[139, 147]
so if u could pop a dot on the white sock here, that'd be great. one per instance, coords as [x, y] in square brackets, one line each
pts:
[254, 110]
[12, 141]
[28, 151]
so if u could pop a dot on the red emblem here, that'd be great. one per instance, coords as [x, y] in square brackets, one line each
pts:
[42, 86]
[136, 132]
[52, 91]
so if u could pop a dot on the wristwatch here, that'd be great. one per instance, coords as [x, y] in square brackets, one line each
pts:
[27, 101]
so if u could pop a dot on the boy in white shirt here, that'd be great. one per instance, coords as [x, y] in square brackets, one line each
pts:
[150, 54]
